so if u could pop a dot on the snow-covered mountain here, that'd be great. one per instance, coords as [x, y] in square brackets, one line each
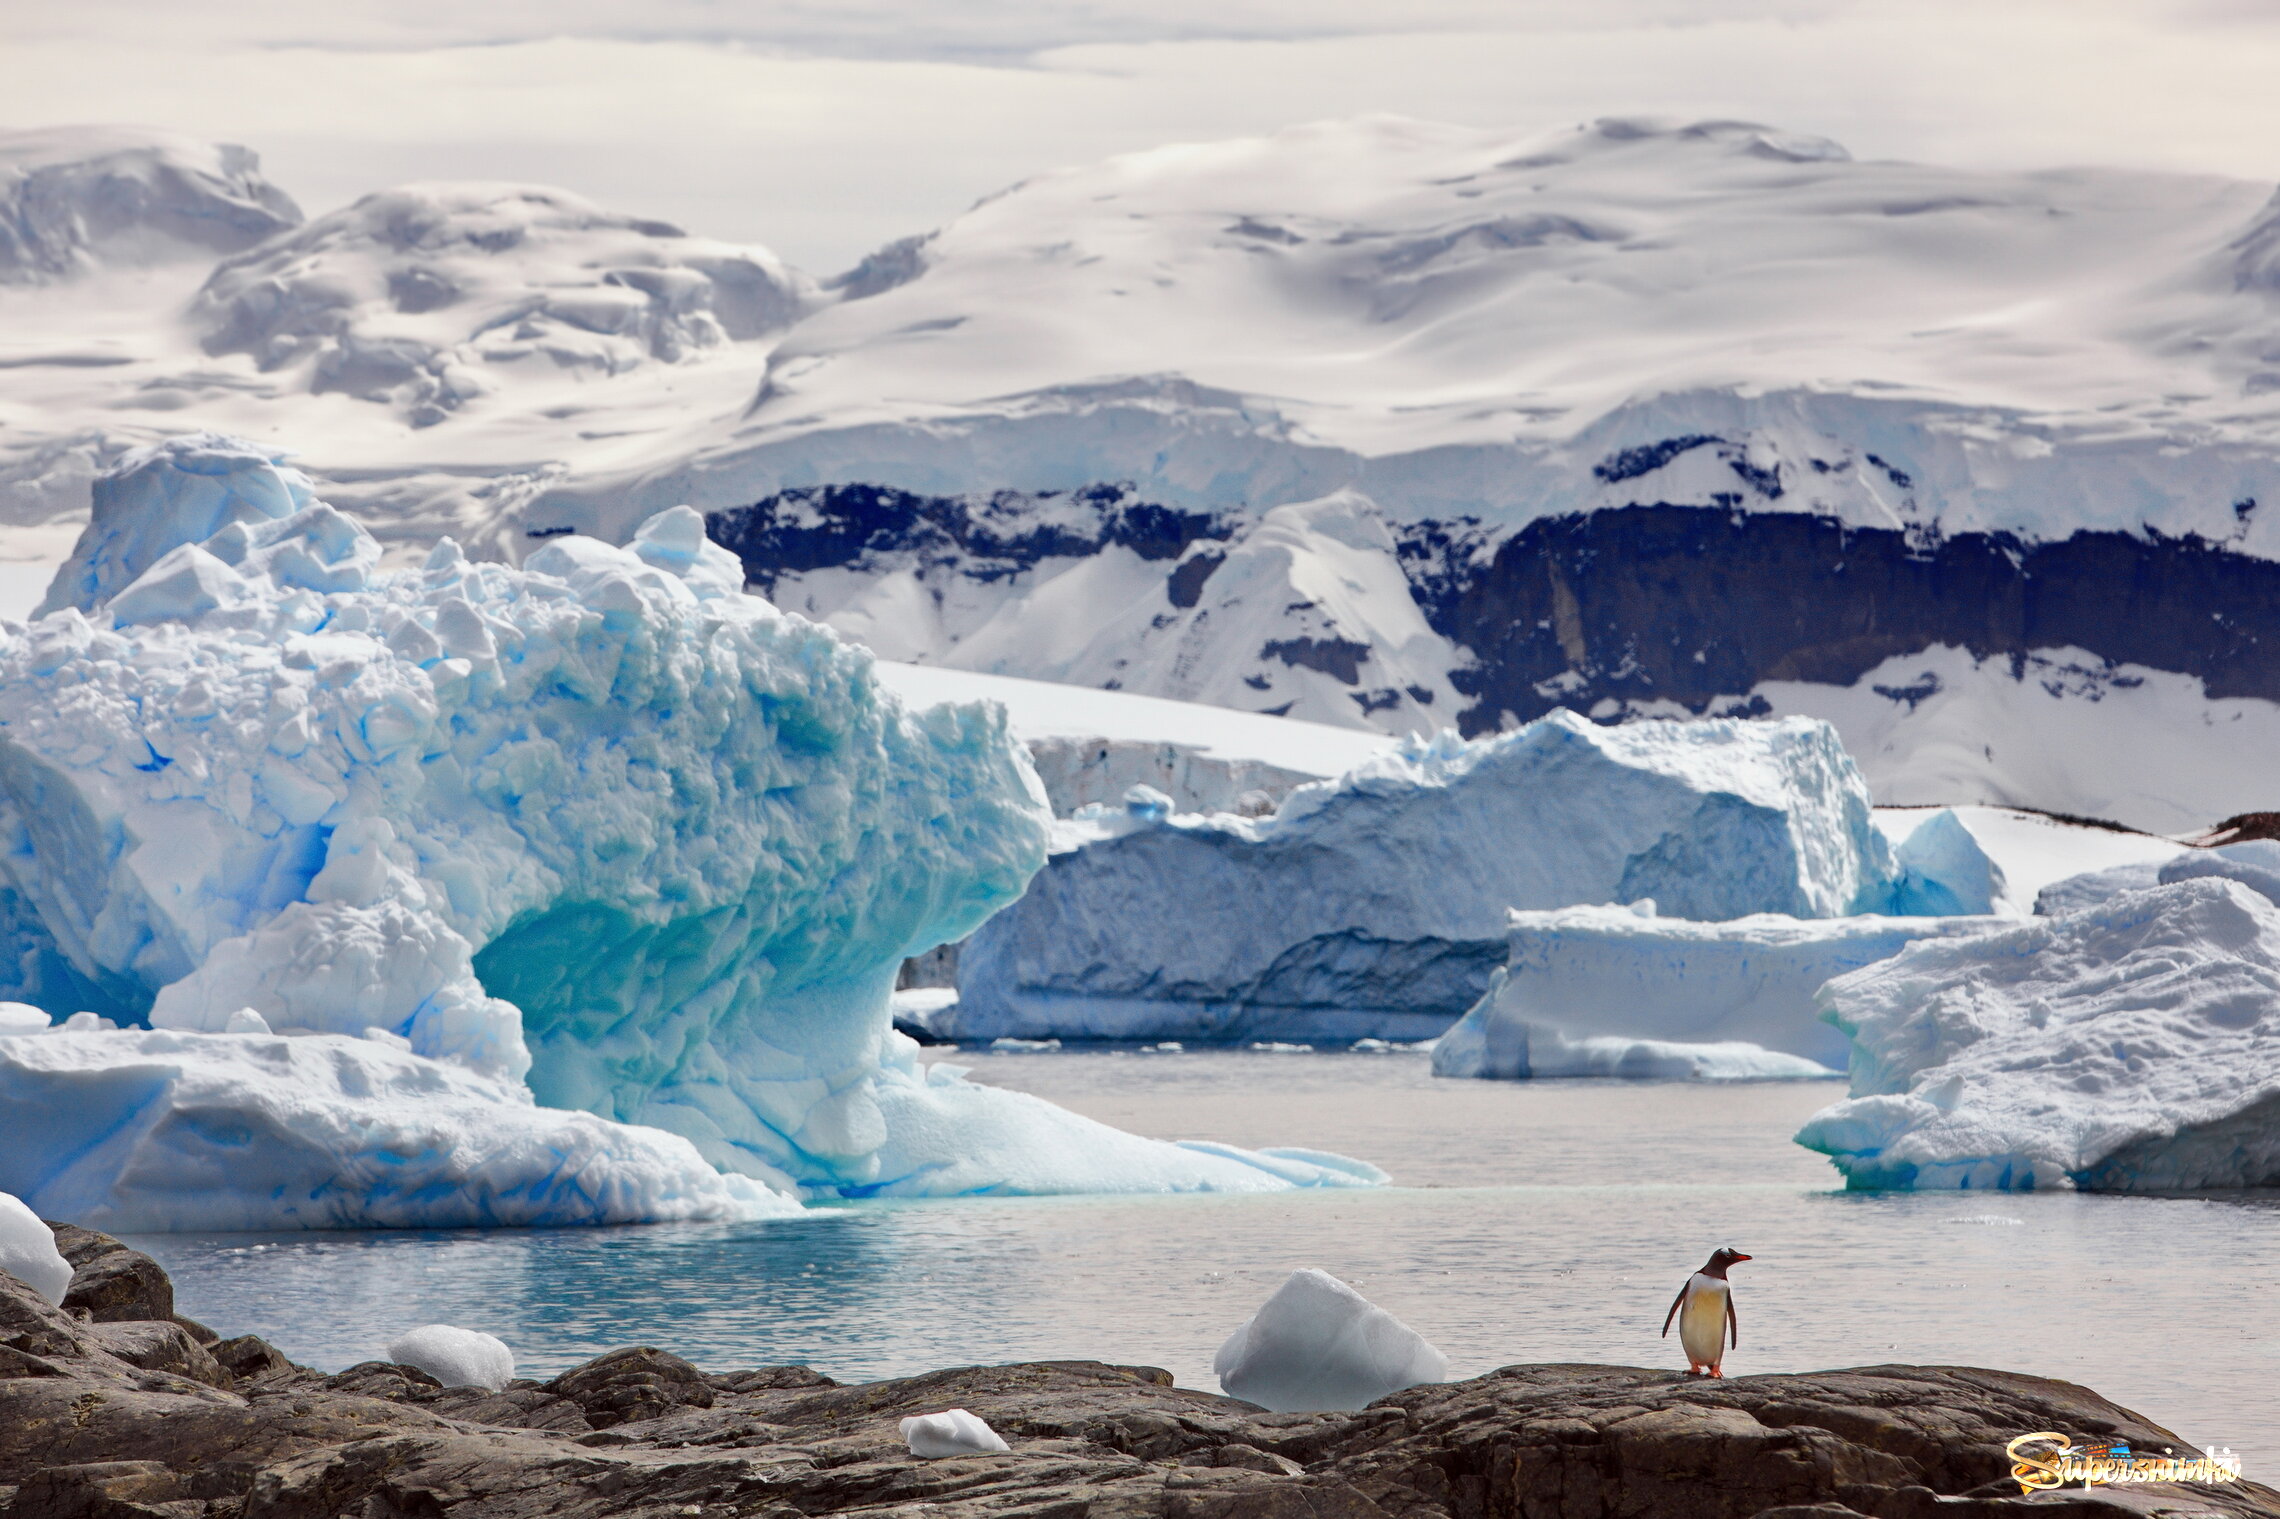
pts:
[1378, 423]
[73, 199]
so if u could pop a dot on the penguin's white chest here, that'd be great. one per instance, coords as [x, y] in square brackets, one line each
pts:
[1702, 1320]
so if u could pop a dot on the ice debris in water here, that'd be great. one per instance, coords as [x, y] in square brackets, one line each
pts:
[1608, 991]
[28, 1252]
[602, 819]
[1374, 905]
[2125, 1047]
[455, 1357]
[1317, 1344]
[953, 1432]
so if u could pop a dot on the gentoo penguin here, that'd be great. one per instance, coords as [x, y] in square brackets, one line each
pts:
[1704, 1309]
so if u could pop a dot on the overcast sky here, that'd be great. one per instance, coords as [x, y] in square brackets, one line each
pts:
[825, 127]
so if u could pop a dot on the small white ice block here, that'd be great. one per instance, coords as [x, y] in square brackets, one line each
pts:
[455, 1357]
[953, 1432]
[27, 1250]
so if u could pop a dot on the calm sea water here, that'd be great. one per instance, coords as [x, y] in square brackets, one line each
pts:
[1531, 1221]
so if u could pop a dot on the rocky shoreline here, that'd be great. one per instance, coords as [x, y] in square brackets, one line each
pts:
[113, 1407]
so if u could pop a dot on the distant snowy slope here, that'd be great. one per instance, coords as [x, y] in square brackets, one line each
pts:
[1460, 321]
[420, 296]
[75, 198]
[1377, 423]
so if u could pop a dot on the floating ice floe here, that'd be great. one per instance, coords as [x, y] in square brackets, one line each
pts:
[1373, 906]
[454, 1356]
[953, 1432]
[2125, 1047]
[1317, 1344]
[163, 1129]
[601, 821]
[28, 1252]
[1612, 991]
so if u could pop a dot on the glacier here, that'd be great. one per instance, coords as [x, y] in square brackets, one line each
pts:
[2123, 1047]
[1375, 905]
[1607, 991]
[601, 826]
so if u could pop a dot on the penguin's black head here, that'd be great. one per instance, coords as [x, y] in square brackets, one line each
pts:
[1726, 1256]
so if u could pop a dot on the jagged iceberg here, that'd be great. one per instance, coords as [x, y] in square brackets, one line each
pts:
[2125, 1047]
[602, 821]
[1607, 991]
[1374, 905]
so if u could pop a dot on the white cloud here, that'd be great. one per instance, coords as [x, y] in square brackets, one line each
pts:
[825, 129]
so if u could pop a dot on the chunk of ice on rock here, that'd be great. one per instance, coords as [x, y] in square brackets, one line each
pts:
[454, 1356]
[1318, 1345]
[28, 1252]
[953, 1432]
[2126, 1047]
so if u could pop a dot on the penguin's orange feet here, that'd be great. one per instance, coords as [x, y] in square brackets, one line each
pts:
[1714, 1372]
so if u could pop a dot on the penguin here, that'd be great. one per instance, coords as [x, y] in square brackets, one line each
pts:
[1704, 1309]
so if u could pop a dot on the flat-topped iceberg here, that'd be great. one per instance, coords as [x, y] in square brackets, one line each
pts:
[1374, 905]
[1608, 991]
[601, 821]
[2125, 1047]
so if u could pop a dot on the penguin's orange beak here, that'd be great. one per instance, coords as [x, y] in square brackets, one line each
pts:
[1741, 1257]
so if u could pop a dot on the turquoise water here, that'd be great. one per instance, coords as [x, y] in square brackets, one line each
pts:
[1545, 1221]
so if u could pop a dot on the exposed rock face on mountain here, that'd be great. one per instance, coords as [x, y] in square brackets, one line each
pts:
[1712, 600]
[134, 1420]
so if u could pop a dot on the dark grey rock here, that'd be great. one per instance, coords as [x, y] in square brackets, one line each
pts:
[135, 1420]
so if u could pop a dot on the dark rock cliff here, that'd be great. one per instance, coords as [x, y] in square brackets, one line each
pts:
[1690, 604]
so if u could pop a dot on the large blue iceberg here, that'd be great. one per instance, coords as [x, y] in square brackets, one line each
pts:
[1375, 904]
[601, 823]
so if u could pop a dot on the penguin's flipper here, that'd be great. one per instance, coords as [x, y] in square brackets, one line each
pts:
[1733, 1321]
[1674, 1302]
